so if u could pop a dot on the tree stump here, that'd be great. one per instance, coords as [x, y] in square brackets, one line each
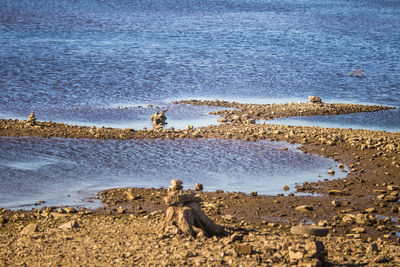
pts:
[159, 120]
[185, 216]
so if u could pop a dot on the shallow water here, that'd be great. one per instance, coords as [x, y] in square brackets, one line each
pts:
[68, 60]
[35, 169]
[387, 120]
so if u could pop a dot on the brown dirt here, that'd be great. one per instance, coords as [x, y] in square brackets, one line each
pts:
[363, 223]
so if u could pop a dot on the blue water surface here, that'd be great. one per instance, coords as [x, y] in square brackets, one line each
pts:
[57, 57]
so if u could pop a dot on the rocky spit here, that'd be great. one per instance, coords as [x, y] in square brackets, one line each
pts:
[351, 221]
[249, 113]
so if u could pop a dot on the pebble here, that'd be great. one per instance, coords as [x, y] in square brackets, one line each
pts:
[309, 230]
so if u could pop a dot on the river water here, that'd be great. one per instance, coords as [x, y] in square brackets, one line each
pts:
[114, 63]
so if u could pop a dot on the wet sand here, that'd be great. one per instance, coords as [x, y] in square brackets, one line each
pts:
[361, 211]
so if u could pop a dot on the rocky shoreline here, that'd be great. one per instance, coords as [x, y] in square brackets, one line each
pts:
[360, 212]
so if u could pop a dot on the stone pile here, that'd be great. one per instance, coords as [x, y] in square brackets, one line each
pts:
[184, 215]
[31, 119]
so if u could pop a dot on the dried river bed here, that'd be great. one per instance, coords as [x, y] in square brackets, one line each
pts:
[361, 211]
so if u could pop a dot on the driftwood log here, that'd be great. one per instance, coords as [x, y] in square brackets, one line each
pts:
[184, 215]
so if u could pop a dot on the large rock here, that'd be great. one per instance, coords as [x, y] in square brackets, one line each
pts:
[309, 230]
[176, 185]
[180, 199]
[314, 99]
[69, 225]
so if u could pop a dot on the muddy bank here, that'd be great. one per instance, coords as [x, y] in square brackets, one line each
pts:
[127, 232]
[248, 113]
[361, 212]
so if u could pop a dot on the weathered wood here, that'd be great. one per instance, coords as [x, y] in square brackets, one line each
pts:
[159, 120]
[185, 216]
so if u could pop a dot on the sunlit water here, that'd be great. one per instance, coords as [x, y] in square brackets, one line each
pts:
[103, 62]
[35, 169]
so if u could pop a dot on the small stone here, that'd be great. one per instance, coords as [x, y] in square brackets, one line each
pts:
[358, 230]
[2, 220]
[336, 192]
[331, 172]
[323, 223]
[370, 210]
[198, 187]
[61, 210]
[176, 185]
[296, 255]
[243, 249]
[381, 259]
[70, 210]
[391, 198]
[29, 229]
[310, 230]
[381, 197]
[228, 217]
[336, 203]
[69, 225]
[314, 99]
[253, 194]
[348, 218]
[236, 237]
[393, 188]
[304, 208]
[121, 210]
[372, 248]
[286, 188]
